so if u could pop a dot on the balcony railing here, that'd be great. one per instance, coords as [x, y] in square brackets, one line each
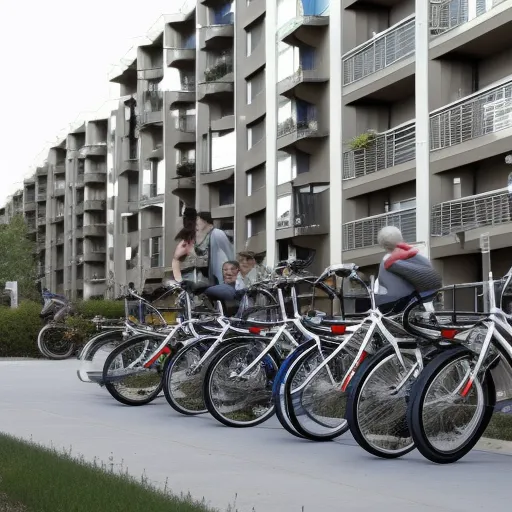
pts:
[187, 84]
[219, 69]
[303, 127]
[446, 15]
[488, 209]
[480, 114]
[186, 169]
[362, 233]
[383, 150]
[152, 101]
[186, 123]
[392, 45]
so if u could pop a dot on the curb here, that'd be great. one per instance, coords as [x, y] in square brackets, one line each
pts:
[487, 444]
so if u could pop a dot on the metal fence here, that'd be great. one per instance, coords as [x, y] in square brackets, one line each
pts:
[483, 113]
[393, 147]
[488, 209]
[386, 48]
[363, 233]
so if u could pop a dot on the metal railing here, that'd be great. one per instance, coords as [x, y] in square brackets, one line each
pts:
[362, 233]
[186, 123]
[386, 149]
[219, 68]
[149, 191]
[446, 15]
[386, 48]
[152, 101]
[303, 127]
[482, 113]
[487, 209]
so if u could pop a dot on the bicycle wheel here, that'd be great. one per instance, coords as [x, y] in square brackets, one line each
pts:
[53, 343]
[94, 353]
[124, 375]
[377, 404]
[183, 380]
[279, 397]
[240, 401]
[446, 425]
[317, 405]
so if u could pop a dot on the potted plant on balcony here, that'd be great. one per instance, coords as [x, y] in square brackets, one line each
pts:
[186, 169]
[359, 145]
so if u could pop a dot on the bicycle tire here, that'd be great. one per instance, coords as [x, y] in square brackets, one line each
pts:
[46, 351]
[208, 385]
[107, 380]
[416, 404]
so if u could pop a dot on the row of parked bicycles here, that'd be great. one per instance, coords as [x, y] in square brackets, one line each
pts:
[317, 352]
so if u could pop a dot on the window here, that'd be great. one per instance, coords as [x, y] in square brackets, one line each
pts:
[254, 36]
[155, 255]
[255, 85]
[285, 169]
[222, 15]
[249, 184]
[222, 150]
[249, 227]
[284, 206]
[402, 205]
[226, 195]
[255, 133]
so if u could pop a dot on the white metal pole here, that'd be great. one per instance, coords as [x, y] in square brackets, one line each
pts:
[335, 137]
[422, 127]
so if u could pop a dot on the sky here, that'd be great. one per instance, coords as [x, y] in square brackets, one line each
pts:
[56, 56]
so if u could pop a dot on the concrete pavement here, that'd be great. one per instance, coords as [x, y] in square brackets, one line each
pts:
[265, 467]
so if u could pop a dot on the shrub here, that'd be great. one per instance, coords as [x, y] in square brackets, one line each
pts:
[362, 141]
[19, 329]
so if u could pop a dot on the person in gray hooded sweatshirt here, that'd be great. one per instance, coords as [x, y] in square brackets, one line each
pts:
[403, 272]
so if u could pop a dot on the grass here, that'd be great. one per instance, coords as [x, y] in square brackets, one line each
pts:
[500, 427]
[36, 479]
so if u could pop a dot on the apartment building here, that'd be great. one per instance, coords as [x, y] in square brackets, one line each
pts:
[300, 124]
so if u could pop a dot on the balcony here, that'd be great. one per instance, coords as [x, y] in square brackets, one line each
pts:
[58, 217]
[472, 129]
[291, 131]
[94, 230]
[59, 239]
[42, 171]
[60, 189]
[361, 234]
[186, 94]
[217, 37]
[31, 225]
[94, 254]
[94, 205]
[295, 31]
[91, 178]
[150, 195]
[29, 205]
[218, 80]
[41, 219]
[80, 180]
[152, 106]
[151, 73]
[41, 243]
[372, 153]
[306, 74]
[470, 28]
[79, 232]
[60, 169]
[185, 130]
[186, 169]
[472, 212]
[385, 49]
[93, 150]
[79, 208]
[180, 57]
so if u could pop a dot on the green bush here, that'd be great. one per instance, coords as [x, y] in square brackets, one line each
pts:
[106, 308]
[19, 329]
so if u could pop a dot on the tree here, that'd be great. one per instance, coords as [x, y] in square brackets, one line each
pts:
[17, 258]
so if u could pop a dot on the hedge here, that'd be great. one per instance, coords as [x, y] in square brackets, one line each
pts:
[19, 327]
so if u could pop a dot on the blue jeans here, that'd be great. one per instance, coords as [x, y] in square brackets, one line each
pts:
[222, 292]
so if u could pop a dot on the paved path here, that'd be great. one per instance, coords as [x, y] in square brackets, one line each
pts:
[266, 467]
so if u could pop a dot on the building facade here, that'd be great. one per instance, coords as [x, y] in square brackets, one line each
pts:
[299, 124]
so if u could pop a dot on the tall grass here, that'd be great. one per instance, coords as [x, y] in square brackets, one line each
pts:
[46, 481]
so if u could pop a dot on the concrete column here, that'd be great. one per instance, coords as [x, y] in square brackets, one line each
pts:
[271, 128]
[335, 137]
[422, 129]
